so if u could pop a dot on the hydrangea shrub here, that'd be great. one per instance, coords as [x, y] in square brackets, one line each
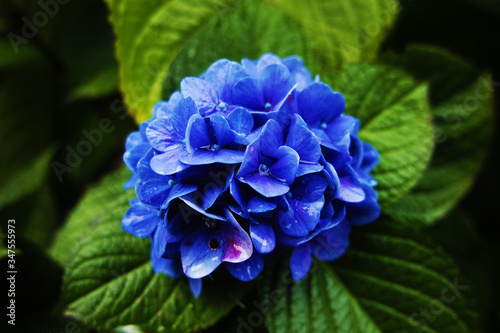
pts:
[244, 162]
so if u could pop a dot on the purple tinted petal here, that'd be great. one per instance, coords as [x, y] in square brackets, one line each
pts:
[197, 134]
[266, 185]
[263, 237]
[276, 83]
[351, 189]
[247, 92]
[195, 286]
[300, 261]
[140, 220]
[168, 163]
[319, 103]
[223, 74]
[332, 243]
[248, 269]
[365, 211]
[241, 121]
[201, 253]
[285, 169]
[201, 92]
[237, 244]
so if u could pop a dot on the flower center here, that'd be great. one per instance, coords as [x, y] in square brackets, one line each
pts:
[222, 106]
[324, 126]
[289, 195]
[213, 244]
[160, 213]
[171, 182]
[268, 106]
[264, 170]
[215, 147]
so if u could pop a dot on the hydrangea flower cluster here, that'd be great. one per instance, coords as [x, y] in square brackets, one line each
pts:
[243, 162]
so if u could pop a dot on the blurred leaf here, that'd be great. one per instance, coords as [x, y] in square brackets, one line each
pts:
[109, 281]
[392, 279]
[152, 35]
[27, 180]
[395, 119]
[343, 31]
[462, 106]
[101, 83]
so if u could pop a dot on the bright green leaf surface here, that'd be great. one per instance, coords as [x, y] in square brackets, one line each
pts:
[109, 281]
[395, 118]
[390, 279]
[462, 106]
[157, 35]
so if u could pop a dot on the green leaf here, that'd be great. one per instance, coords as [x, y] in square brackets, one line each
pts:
[109, 281]
[395, 118]
[462, 107]
[179, 38]
[390, 280]
[343, 31]
[27, 180]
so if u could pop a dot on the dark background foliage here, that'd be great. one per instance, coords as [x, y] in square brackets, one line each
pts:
[73, 85]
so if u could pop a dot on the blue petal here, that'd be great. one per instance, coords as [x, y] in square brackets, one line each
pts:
[371, 157]
[140, 220]
[177, 191]
[247, 92]
[304, 142]
[241, 121]
[285, 169]
[365, 211]
[168, 162]
[195, 286]
[154, 192]
[318, 103]
[266, 185]
[133, 156]
[197, 134]
[263, 237]
[299, 72]
[248, 269]
[339, 214]
[170, 267]
[340, 129]
[306, 169]
[223, 74]
[276, 83]
[164, 109]
[133, 140]
[198, 258]
[250, 163]
[201, 92]
[160, 239]
[301, 217]
[300, 261]
[201, 157]
[222, 131]
[131, 182]
[267, 59]
[309, 188]
[332, 243]
[250, 67]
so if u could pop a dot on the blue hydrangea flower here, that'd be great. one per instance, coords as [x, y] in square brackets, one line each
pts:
[244, 162]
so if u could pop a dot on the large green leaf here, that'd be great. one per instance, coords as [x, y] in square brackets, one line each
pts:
[395, 118]
[462, 107]
[391, 280]
[343, 31]
[109, 281]
[181, 38]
